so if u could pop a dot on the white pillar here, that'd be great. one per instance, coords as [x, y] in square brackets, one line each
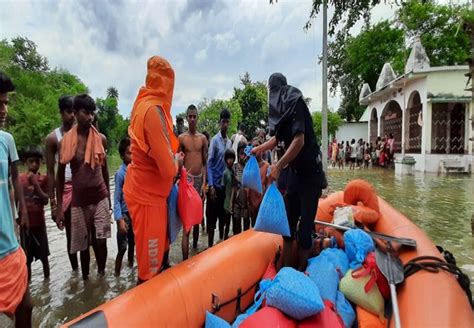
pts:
[426, 130]
[468, 130]
[404, 130]
[379, 123]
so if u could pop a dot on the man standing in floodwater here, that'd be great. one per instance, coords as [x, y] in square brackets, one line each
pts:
[290, 122]
[194, 146]
[15, 299]
[215, 170]
[52, 149]
[153, 168]
[84, 147]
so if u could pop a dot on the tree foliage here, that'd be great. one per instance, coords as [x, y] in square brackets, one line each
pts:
[26, 56]
[353, 60]
[360, 59]
[253, 101]
[346, 14]
[334, 123]
[111, 123]
[440, 29]
[209, 112]
[33, 109]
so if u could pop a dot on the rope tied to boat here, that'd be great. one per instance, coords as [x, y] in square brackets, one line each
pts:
[434, 265]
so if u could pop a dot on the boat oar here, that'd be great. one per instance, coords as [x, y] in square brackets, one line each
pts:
[400, 240]
[392, 268]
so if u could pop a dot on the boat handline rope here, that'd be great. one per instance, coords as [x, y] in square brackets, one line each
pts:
[434, 265]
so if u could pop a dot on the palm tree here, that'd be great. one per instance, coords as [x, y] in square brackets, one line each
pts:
[112, 92]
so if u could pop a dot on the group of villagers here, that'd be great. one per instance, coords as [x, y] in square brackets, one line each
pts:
[79, 193]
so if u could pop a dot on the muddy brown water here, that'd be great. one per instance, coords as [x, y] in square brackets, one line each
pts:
[441, 205]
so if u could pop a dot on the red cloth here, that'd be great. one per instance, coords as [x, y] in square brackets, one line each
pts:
[268, 317]
[369, 267]
[67, 195]
[34, 204]
[326, 318]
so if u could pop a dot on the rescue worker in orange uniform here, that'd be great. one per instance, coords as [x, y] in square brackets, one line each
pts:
[154, 165]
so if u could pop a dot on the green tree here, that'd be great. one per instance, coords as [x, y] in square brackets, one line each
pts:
[334, 123]
[112, 92]
[439, 27]
[349, 12]
[253, 101]
[27, 57]
[113, 125]
[355, 60]
[209, 111]
[360, 59]
[33, 110]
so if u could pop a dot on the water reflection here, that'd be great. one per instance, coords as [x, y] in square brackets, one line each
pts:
[441, 205]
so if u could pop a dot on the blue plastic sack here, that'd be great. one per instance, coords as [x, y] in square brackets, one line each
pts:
[295, 294]
[258, 300]
[337, 257]
[271, 216]
[213, 321]
[345, 310]
[251, 175]
[174, 222]
[323, 273]
[357, 245]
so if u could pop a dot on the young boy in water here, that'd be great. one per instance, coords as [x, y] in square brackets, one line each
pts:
[122, 217]
[228, 180]
[254, 198]
[241, 206]
[35, 187]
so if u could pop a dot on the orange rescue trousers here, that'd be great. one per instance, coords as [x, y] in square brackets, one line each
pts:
[150, 226]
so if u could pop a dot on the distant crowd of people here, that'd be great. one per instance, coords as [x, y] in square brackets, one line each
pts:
[361, 154]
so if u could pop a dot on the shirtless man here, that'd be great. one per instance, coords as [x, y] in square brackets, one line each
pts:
[194, 146]
[52, 149]
[84, 148]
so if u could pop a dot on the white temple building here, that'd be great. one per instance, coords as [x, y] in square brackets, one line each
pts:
[427, 109]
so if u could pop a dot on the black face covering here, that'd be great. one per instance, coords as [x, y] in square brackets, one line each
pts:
[282, 101]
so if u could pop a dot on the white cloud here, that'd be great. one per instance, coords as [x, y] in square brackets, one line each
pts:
[201, 55]
[209, 43]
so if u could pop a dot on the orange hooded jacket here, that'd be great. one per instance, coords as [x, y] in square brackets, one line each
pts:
[153, 143]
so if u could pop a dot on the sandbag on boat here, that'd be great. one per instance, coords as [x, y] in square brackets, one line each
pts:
[337, 257]
[354, 290]
[370, 268]
[345, 310]
[357, 245]
[323, 273]
[213, 321]
[272, 213]
[294, 293]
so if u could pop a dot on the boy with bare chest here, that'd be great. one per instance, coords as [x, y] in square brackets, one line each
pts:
[194, 146]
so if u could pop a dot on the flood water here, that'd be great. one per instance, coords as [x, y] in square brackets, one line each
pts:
[441, 205]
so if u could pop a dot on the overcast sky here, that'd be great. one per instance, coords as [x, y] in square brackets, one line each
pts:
[209, 43]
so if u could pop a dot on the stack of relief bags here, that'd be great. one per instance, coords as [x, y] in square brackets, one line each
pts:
[324, 294]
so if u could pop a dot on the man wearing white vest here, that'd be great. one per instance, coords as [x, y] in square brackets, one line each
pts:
[52, 148]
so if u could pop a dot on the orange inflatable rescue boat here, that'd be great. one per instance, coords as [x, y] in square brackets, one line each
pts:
[223, 279]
